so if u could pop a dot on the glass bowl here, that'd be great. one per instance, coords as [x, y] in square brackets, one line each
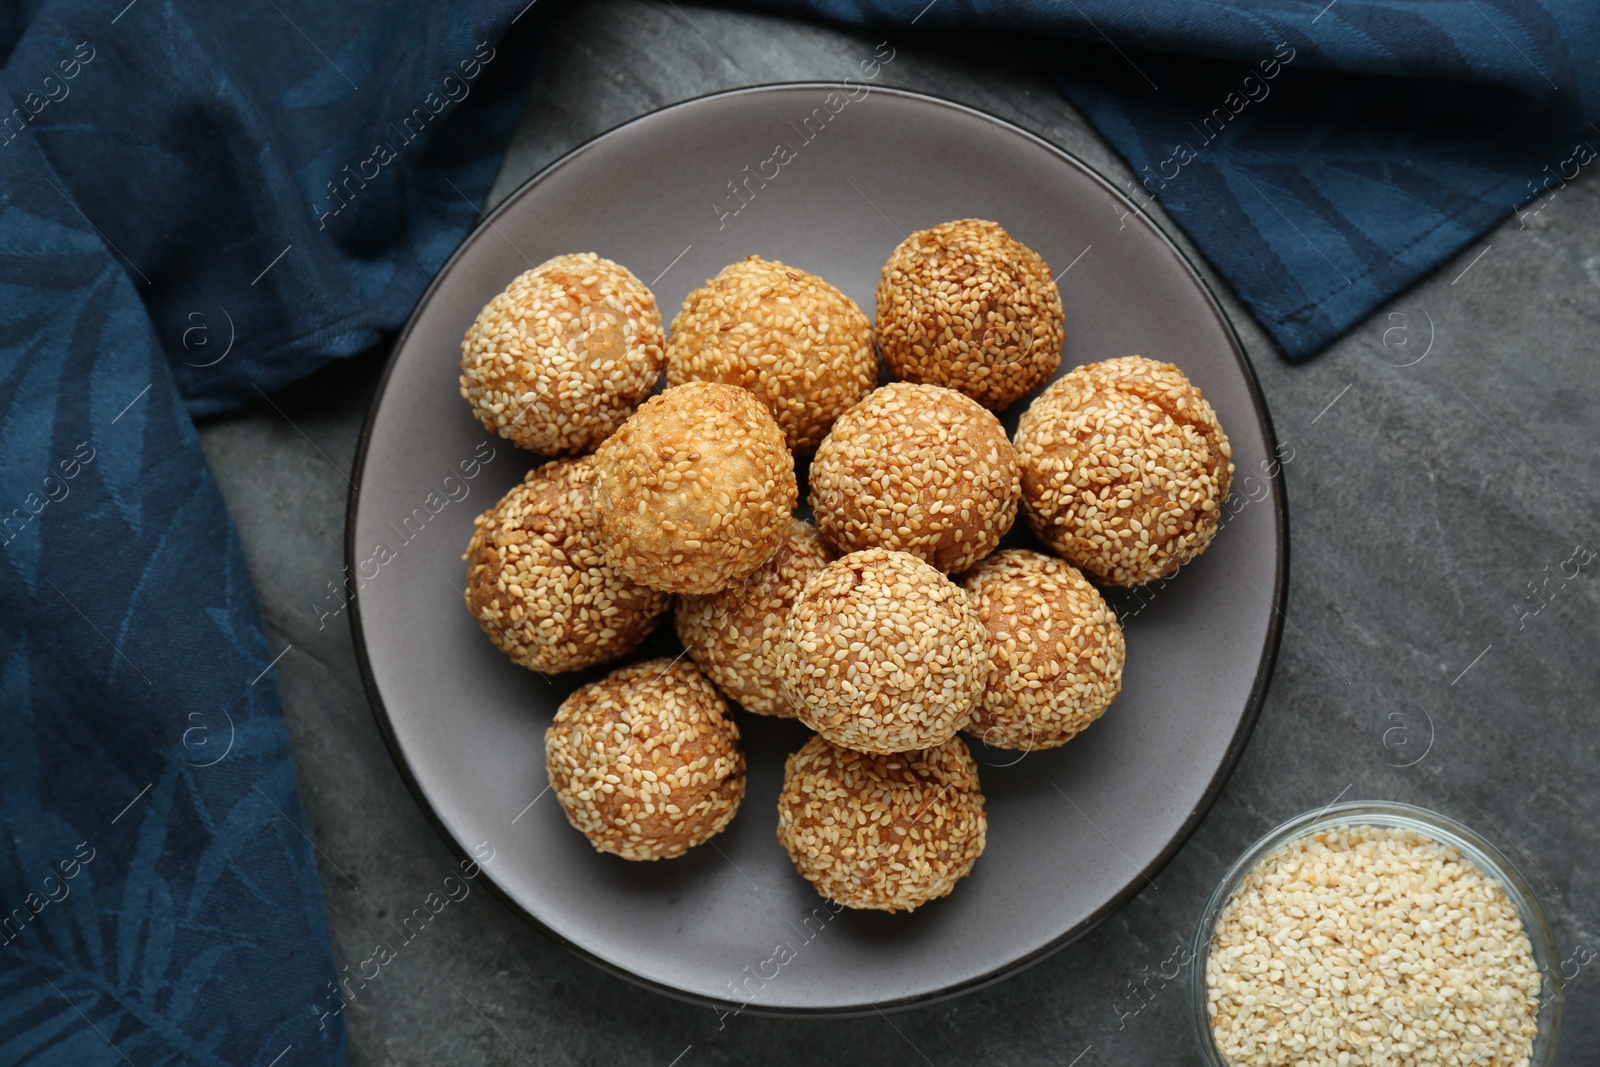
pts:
[1389, 814]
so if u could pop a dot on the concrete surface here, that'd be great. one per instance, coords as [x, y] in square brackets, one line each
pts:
[1425, 500]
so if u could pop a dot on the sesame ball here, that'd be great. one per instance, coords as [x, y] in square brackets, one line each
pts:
[537, 582]
[1124, 469]
[883, 653]
[918, 469]
[800, 345]
[563, 355]
[883, 832]
[695, 490]
[1055, 650]
[734, 635]
[646, 761]
[967, 306]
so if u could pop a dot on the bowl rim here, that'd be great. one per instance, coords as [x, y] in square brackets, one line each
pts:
[1441, 828]
[1236, 744]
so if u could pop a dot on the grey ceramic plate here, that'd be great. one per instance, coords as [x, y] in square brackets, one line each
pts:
[1072, 832]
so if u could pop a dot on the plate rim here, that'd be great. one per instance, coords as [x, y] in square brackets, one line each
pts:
[1135, 885]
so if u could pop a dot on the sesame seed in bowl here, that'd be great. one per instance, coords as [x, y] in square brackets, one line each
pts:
[1371, 933]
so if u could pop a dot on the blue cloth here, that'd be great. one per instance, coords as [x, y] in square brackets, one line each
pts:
[202, 202]
[174, 177]
[1323, 156]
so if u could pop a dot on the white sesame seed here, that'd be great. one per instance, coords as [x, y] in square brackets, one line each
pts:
[537, 581]
[662, 478]
[918, 469]
[800, 345]
[882, 832]
[1117, 443]
[1368, 945]
[563, 355]
[883, 653]
[655, 729]
[965, 305]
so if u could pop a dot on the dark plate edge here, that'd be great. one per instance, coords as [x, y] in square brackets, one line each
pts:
[1236, 745]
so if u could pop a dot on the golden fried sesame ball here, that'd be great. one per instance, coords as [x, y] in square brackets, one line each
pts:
[563, 355]
[734, 635]
[967, 306]
[883, 653]
[918, 469]
[537, 581]
[646, 761]
[796, 342]
[695, 490]
[885, 832]
[1055, 650]
[1124, 469]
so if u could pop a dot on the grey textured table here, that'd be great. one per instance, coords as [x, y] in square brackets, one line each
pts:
[1444, 462]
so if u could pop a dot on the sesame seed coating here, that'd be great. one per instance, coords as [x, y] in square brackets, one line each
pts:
[563, 355]
[800, 345]
[695, 490]
[1124, 469]
[734, 635]
[918, 469]
[1365, 946]
[537, 582]
[965, 305]
[882, 832]
[1055, 650]
[646, 761]
[882, 653]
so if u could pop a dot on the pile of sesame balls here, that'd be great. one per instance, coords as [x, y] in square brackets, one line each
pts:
[888, 626]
